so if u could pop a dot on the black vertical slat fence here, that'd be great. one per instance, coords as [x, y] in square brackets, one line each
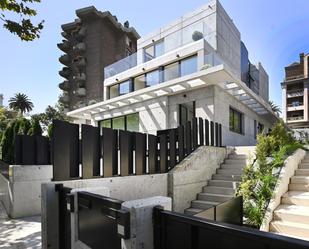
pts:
[125, 153]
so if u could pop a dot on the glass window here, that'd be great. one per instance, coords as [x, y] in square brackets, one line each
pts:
[124, 87]
[118, 123]
[236, 121]
[133, 122]
[106, 123]
[152, 78]
[188, 65]
[114, 91]
[171, 71]
[139, 82]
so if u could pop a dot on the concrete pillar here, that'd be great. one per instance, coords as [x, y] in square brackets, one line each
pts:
[306, 85]
[141, 221]
[284, 106]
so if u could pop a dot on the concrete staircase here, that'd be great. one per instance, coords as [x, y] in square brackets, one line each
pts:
[291, 218]
[222, 186]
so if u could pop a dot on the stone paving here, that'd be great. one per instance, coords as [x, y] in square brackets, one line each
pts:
[19, 233]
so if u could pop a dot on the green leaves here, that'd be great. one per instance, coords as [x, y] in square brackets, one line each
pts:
[24, 28]
[259, 180]
[20, 102]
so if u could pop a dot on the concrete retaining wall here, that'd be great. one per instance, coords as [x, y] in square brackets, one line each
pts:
[21, 193]
[127, 187]
[282, 186]
[187, 179]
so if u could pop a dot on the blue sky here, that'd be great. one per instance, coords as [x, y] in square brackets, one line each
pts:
[275, 32]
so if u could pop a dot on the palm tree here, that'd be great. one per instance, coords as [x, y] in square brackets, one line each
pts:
[20, 102]
[276, 109]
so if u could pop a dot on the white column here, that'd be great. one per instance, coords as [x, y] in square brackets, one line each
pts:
[284, 97]
[306, 83]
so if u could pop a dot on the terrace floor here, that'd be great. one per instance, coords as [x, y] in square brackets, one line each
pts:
[19, 233]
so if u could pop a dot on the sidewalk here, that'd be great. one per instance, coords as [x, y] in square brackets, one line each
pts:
[19, 233]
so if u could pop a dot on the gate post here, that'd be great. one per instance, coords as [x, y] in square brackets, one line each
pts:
[141, 221]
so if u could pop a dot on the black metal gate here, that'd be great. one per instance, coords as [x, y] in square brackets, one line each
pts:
[101, 221]
[178, 231]
[64, 198]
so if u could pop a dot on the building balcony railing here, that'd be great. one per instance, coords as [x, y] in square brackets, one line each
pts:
[187, 35]
[295, 104]
[295, 118]
[295, 93]
[294, 77]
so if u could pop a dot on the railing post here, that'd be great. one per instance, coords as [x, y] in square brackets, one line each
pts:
[220, 135]
[126, 153]
[181, 143]
[206, 132]
[217, 134]
[201, 131]
[140, 153]
[110, 152]
[194, 133]
[188, 138]
[212, 138]
[152, 154]
[172, 147]
[163, 153]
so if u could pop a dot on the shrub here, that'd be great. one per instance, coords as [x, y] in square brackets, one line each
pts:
[36, 129]
[7, 144]
[24, 127]
[259, 179]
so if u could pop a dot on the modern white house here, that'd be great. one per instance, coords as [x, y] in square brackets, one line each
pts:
[195, 66]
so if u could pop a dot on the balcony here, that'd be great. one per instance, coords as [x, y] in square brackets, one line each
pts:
[65, 34]
[65, 59]
[180, 38]
[294, 77]
[295, 93]
[80, 47]
[297, 118]
[81, 92]
[65, 46]
[80, 62]
[80, 79]
[65, 99]
[65, 72]
[80, 35]
[65, 85]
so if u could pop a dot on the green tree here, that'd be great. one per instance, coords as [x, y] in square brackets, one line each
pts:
[36, 129]
[21, 102]
[22, 26]
[276, 109]
[7, 144]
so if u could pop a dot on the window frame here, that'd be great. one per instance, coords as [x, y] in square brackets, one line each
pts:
[154, 46]
[125, 121]
[241, 123]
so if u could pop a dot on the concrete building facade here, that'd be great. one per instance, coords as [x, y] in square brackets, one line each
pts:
[94, 40]
[189, 68]
[295, 94]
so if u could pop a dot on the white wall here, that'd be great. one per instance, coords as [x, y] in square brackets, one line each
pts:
[21, 193]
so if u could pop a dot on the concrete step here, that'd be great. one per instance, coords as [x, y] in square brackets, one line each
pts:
[218, 190]
[304, 166]
[236, 161]
[298, 187]
[296, 198]
[229, 171]
[305, 160]
[292, 213]
[287, 235]
[224, 184]
[290, 228]
[213, 197]
[300, 179]
[237, 156]
[199, 204]
[236, 178]
[302, 172]
[232, 166]
[193, 211]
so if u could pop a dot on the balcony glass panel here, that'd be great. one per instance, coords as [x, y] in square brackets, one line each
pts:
[172, 41]
[188, 66]
[149, 53]
[192, 33]
[171, 71]
[139, 82]
[152, 78]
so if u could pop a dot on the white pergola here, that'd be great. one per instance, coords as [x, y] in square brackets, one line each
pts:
[218, 75]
